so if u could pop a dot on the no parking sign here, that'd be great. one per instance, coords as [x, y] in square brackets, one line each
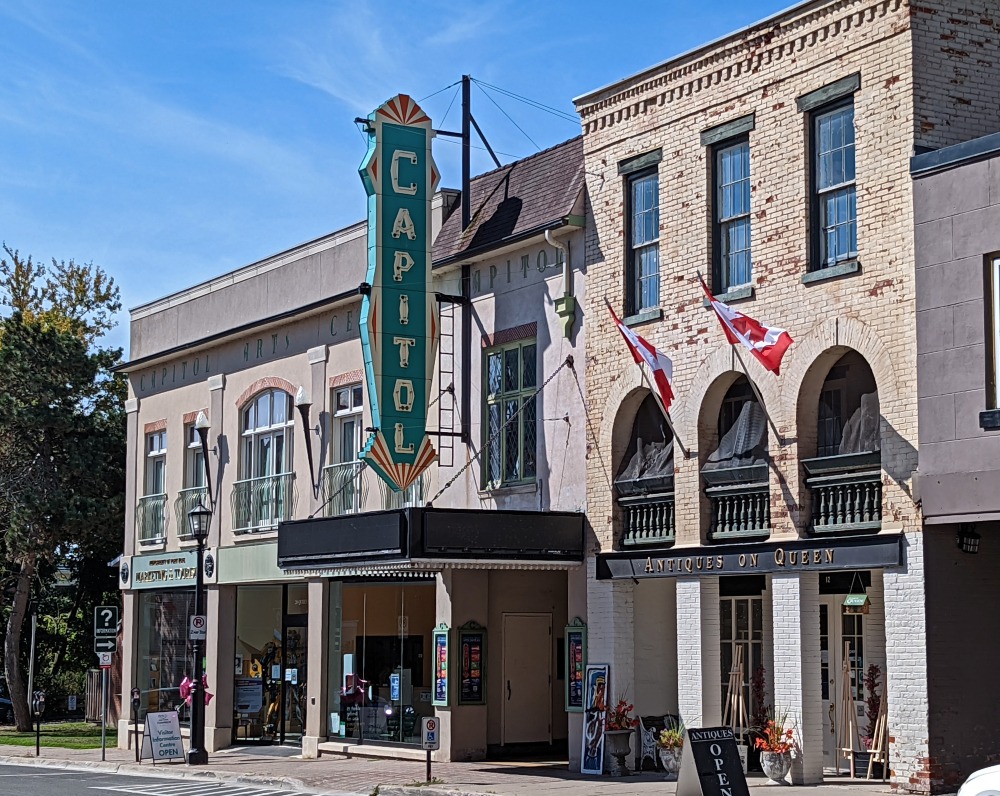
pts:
[430, 737]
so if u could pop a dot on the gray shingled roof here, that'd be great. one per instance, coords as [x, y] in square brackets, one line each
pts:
[523, 196]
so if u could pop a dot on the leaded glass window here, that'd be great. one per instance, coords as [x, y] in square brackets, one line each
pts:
[511, 432]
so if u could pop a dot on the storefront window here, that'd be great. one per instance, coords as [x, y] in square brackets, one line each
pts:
[381, 652]
[164, 657]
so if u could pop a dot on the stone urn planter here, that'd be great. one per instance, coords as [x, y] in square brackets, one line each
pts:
[776, 765]
[618, 744]
[670, 759]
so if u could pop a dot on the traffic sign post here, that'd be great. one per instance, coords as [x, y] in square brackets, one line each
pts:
[198, 628]
[106, 629]
[430, 739]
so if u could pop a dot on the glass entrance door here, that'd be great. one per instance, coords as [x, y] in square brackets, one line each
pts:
[840, 634]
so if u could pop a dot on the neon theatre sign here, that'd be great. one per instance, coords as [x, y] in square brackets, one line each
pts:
[399, 316]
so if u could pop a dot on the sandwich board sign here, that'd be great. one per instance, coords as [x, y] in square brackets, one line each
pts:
[711, 764]
[161, 739]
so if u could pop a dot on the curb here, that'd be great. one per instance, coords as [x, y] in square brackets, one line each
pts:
[410, 790]
[287, 783]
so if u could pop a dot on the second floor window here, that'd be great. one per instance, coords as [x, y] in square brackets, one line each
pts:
[732, 215]
[156, 463]
[194, 462]
[267, 435]
[835, 197]
[511, 434]
[643, 267]
[348, 406]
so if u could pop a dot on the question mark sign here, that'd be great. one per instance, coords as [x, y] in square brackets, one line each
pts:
[107, 613]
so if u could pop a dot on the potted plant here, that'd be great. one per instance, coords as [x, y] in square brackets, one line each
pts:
[776, 741]
[873, 701]
[618, 726]
[669, 746]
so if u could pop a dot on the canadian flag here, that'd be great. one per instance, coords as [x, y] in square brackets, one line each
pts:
[767, 343]
[661, 369]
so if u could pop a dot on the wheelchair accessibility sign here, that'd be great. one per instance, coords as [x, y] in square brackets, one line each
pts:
[430, 738]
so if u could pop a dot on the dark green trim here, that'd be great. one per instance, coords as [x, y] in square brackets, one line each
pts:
[731, 129]
[822, 274]
[645, 316]
[829, 93]
[740, 293]
[640, 162]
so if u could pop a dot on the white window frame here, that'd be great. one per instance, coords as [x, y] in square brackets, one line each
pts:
[249, 465]
[156, 454]
[993, 299]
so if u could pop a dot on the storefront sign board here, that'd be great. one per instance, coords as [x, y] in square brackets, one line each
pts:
[711, 764]
[161, 738]
[399, 313]
[165, 570]
[804, 555]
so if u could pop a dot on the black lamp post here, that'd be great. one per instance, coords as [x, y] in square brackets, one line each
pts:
[199, 518]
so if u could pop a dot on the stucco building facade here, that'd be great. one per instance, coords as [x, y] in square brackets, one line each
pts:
[340, 612]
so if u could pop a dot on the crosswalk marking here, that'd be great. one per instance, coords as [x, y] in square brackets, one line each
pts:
[195, 789]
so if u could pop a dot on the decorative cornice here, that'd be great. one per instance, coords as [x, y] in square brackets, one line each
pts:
[742, 54]
[190, 417]
[263, 384]
[155, 425]
[523, 332]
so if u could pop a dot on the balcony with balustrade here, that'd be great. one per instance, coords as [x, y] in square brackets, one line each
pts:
[259, 504]
[348, 488]
[151, 519]
[846, 492]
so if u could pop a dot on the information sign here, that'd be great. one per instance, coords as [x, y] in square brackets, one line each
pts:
[576, 662]
[430, 736]
[198, 628]
[161, 739]
[249, 694]
[472, 649]
[711, 764]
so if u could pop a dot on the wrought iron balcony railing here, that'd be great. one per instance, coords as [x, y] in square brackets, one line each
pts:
[413, 495]
[151, 519]
[345, 489]
[259, 504]
[186, 500]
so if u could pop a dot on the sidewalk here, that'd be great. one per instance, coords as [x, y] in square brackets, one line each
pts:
[333, 775]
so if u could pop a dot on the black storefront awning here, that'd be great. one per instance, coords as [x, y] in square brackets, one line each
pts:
[418, 533]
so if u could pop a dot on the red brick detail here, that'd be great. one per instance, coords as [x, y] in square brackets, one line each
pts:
[351, 377]
[190, 417]
[504, 336]
[156, 425]
[263, 384]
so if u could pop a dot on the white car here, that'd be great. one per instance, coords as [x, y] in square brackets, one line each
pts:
[985, 782]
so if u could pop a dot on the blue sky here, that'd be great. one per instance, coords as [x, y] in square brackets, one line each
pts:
[172, 142]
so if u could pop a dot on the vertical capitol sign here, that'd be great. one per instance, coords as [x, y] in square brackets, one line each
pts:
[399, 316]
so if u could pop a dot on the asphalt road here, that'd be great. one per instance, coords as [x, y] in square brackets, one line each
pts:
[35, 781]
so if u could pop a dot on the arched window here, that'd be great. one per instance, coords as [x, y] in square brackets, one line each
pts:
[264, 495]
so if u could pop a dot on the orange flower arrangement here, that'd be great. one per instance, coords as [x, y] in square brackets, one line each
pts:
[775, 737]
[619, 717]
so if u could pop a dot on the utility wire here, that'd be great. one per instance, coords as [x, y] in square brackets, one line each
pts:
[440, 90]
[534, 103]
[445, 117]
[568, 362]
[509, 117]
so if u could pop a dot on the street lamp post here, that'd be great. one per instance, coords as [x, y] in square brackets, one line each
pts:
[199, 519]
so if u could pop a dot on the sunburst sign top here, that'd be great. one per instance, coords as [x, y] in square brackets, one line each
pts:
[399, 317]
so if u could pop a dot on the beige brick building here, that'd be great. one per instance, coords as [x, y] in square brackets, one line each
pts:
[776, 162]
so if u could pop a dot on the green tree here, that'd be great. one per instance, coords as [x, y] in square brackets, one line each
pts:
[62, 445]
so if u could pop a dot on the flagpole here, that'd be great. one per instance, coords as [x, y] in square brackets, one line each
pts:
[666, 415]
[760, 399]
[753, 384]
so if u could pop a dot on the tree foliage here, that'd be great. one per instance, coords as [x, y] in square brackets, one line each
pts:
[62, 448]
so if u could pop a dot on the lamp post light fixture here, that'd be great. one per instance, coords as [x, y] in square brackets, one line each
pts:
[199, 519]
[303, 402]
[201, 425]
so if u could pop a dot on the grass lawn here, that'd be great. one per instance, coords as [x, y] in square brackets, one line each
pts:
[68, 735]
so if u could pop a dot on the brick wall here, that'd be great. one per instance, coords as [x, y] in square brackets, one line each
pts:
[916, 89]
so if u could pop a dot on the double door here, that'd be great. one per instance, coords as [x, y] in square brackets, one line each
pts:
[841, 640]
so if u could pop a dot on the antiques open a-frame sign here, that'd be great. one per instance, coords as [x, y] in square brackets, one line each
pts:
[399, 315]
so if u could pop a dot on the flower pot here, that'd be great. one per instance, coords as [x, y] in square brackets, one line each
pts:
[775, 764]
[670, 759]
[618, 744]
